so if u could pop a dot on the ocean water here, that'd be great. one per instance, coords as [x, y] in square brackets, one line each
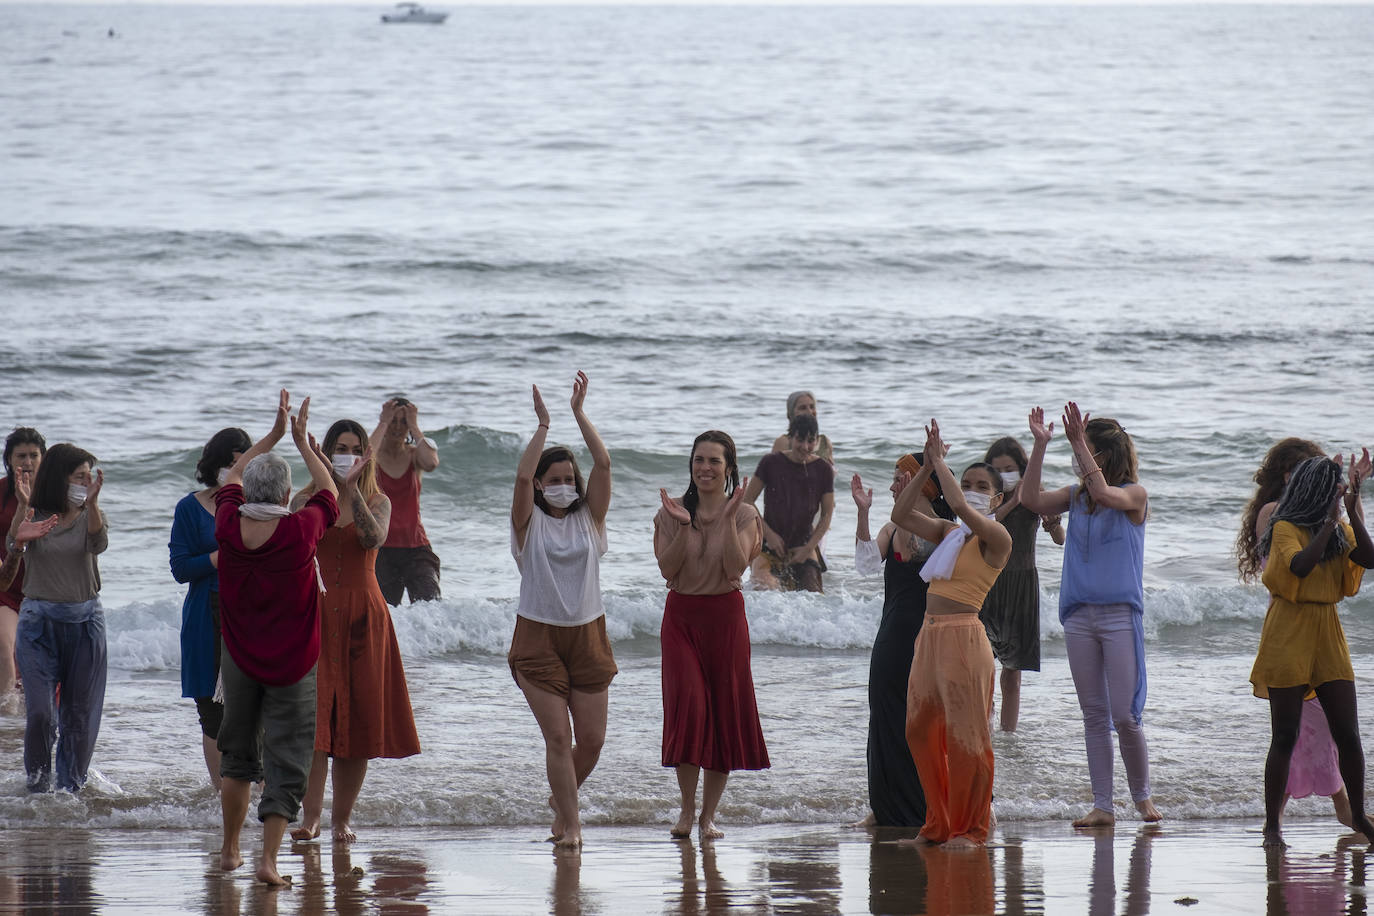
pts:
[931, 211]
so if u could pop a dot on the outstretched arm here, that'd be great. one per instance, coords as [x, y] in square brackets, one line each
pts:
[1033, 497]
[321, 474]
[522, 503]
[996, 540]
[599, 481]
[906, 515]
[1363, 554]
[266, 443]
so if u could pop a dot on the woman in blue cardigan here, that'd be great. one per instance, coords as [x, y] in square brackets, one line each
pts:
[194, 557]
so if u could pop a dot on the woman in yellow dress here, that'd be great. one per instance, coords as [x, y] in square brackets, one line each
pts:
[1314, 560]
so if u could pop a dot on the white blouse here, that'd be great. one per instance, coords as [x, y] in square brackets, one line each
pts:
[560, 569]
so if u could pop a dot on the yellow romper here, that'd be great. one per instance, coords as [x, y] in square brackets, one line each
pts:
[1302, 641]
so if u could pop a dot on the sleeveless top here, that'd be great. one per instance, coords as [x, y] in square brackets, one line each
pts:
[971, 579]
[560, 572]
[405, 529]
[1104, 558]
[903, 586]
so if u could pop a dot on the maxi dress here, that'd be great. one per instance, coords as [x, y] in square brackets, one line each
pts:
[363, 705]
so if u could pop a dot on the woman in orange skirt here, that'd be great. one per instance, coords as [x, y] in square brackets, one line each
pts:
[949, 693]
[362, 706]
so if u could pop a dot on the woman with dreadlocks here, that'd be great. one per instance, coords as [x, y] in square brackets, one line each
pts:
[1312, 561]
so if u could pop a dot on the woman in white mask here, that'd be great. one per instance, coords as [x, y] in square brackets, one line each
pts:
[194, 555]
[1011, 613]
[362, 704]
[61, 637]
[560, 655]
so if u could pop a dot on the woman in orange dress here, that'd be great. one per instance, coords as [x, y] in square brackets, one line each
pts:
[362, 704]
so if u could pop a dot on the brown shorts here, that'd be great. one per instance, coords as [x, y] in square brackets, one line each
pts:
[562, 659]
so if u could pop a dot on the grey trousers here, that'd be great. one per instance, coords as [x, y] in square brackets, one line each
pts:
[268, 736]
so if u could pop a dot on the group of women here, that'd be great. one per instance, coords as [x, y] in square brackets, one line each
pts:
[960, 593]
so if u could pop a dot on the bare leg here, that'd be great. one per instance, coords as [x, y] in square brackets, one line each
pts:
[551, 712]
[273, 829]
[687, 785]
[761, 574]
[233, 803]
[1285, 716]
[9, 623]
[211, 751]
[713, 787]
[349, 773]
[312, 807]
[1342, 803]
[1011, 698]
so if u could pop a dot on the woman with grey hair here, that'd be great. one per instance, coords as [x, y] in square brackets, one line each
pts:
[803, 403]
[270, 619]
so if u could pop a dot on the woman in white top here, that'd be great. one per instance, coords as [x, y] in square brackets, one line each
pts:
[560, 655]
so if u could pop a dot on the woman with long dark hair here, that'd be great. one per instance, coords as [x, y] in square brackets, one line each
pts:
[194, 556]
[24, 449]
[1311, 561]
[61, 636]
[560, 655]
[704, 542]
[362, 703]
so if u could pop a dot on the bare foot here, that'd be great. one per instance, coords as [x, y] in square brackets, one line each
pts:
[343, 833]
[961, 842]
[1361, 824]
[306, 832]
[1096, 818]
[1148, 812]
[556, 831]
[229, 859]
[870, 821]
[267, 874]
[683, 828]
[709, 831]
[571, 839]
[1273, 840]
[913, 841]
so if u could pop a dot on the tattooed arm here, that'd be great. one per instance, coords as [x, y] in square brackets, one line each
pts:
[370, 521]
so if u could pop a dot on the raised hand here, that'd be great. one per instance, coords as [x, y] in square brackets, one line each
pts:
[412, 415]
[283, 412]
[935, 446]
[1041, 433]
[319, 452]
[23, 485]
[1360, 470]
[735, 499]
[356, 472]
[1333, 512]
[93, 491]
[862, 498]
[300, 431]
[1075, 423]
[579, 394]
[29, 530]
[540, 411]
[388, 412]
[676, 511]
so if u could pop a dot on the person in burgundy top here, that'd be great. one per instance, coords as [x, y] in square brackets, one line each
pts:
[24, 449]
[269, 588]
[796, 484]
[405, 563]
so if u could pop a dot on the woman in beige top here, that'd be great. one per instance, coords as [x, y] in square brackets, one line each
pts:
[704, 543]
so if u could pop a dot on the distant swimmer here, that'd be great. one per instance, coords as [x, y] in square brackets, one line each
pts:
[110, 34]
[405, 563]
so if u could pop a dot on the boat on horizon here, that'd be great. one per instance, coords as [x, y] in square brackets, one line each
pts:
[413, 12]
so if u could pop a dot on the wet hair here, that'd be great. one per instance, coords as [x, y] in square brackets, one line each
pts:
[547, 459]
[792, 400]
[691, 498]
[1306, 502]
[367, 482]
[267, 479]
[50, 483]
[1115, 455]
[22, 435]
[1278, 463]
[219, 453]
[1007, 447]
[803, 427]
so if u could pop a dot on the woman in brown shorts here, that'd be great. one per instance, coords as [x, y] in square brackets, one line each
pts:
[560, 655]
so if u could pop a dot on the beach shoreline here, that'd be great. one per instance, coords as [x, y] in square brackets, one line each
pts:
[1206, 866]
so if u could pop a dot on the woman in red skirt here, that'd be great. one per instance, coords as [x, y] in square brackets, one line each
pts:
[704, 542]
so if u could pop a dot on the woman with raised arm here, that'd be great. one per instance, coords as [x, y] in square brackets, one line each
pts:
[560, 655]
[1313, 560]
[1011, 614]
[1101, 596]
[362, 706]
[194, 556]
[949, 692]
[24, 448]
[60, 644]
[704, 542]
[895, 797]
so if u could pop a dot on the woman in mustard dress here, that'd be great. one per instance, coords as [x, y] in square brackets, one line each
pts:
[1313, 561]
[362, 706]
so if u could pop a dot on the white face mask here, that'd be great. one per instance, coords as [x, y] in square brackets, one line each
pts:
[1009, 480]
[76, 494]
[343, 463]
[560, 495]
[978, 502]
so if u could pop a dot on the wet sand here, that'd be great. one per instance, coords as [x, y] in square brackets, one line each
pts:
[1186, 866]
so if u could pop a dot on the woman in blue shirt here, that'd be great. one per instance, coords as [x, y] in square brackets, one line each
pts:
[194, 560]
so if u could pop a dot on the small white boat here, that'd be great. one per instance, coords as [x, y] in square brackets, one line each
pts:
[413, 12]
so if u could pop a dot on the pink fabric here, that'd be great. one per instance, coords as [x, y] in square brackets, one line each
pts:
[1313, 769]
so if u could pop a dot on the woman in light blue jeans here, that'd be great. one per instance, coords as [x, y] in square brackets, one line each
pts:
[61, 638]
[1101, 596]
